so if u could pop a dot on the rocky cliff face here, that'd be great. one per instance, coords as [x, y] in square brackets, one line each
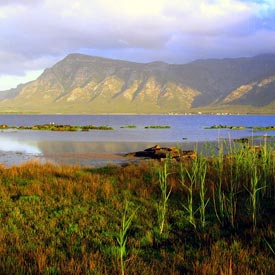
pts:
[86, 84]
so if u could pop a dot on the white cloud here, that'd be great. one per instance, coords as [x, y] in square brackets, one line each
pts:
[36, 33]
[11, 81]
[208, 17]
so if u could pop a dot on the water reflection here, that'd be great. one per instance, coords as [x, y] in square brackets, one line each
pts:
[15, 151]
[96, 153]
[8, 145]
[17, 146]
[61, 147]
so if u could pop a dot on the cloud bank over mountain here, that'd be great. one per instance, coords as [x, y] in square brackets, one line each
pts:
[35, 34]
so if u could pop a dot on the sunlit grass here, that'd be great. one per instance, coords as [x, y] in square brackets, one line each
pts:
[204, 216]
[57, 127]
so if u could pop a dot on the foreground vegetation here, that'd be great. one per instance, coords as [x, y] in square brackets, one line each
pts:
[202, 216]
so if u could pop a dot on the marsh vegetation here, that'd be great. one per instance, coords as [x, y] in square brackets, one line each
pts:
[158, 127]
[57, 127]
[235, 127]
[204, 216]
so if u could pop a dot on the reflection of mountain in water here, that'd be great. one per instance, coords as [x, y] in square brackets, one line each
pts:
[61, 147]
[96, 153]
[8, 145]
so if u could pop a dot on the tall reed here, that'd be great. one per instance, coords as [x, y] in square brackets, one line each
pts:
[194, 178]
[253, 190]
[267, 169]
[188, 206]
[126, 221]
[218, 165]
[238, 167]
[203, 191]
[165, 194]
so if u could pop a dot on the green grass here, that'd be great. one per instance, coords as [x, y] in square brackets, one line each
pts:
[255, 128]
[226, 127]
[267, 128]
[211, 215]
[57, 127]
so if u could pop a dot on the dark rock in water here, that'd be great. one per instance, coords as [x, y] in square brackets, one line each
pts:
[158, 152]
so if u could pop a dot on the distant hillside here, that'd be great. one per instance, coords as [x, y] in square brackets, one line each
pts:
[87, 84]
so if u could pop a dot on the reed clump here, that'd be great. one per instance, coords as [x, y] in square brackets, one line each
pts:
[209, 215]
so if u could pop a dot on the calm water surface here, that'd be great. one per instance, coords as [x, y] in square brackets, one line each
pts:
[185, 131]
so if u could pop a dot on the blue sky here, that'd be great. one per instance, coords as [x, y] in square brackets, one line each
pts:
[35, 34]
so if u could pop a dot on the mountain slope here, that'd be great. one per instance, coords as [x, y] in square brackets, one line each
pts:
[86, 84]
[258, 93]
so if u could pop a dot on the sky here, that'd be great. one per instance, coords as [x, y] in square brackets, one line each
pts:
[35, 34]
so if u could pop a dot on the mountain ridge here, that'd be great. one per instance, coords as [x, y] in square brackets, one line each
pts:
[89, 84]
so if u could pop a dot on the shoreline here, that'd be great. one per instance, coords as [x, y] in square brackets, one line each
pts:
[106, 153]
[8, 158]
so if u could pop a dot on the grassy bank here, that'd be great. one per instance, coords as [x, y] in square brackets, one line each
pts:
[206, 216]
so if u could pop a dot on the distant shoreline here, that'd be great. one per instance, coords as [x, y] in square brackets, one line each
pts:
[145, 114]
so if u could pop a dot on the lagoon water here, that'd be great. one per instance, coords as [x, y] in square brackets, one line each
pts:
[185, 131]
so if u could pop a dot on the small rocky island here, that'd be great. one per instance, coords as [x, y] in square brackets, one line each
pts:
[163, 153]
[57, 127]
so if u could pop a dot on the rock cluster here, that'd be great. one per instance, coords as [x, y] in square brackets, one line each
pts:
[162, 153]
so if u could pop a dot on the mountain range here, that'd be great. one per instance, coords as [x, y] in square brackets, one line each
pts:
[87, 84]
